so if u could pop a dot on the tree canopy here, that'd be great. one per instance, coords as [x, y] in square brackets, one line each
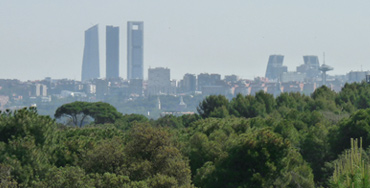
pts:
[291, 140]
[78, 112]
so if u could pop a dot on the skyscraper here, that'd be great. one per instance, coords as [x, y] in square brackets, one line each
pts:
[90, 62]
[310, 67]
[112, 52]
[275, 67]
[135, 50]
[312, 61]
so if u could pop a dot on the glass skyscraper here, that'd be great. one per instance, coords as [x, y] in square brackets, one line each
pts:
[112, 52]
[135, 50]
[90, 62]
[275, 67]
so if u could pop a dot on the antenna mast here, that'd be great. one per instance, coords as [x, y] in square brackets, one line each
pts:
[324, 58]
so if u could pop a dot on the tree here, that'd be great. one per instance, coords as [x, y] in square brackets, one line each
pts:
[107, 156]
[6, 180]
[73, 177]
[246, 106]
[128, 120]
[26, 122]
[215, 104]
[152, 156]
[351, 170]
[356, 126]
[78, 111]
[257, 158]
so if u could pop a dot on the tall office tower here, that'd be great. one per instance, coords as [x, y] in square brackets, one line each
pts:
[310, 67]
[135, 50]
[312, 61]
[112, 52]
[90, 62]
[275, 67]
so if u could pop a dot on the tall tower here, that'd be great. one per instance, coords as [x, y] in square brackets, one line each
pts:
[90, 62]
[275, 67]
[112, 52]
[135, 50]
[324, 68]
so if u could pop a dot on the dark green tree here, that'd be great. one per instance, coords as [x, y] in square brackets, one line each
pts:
[258, 158]
[247, 106]
[78, 111]
[152, 156]
[213, 106]
[356, 126]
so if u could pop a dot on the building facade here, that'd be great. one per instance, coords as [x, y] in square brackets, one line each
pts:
[275, 67]
[189, 83]
[135, 50]
[310, 67]
[159, 81]
[90, 62]
[112, 52]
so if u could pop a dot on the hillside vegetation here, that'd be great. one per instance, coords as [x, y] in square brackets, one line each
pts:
[292, 140]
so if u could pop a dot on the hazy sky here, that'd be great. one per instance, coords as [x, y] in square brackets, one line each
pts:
[42, 38]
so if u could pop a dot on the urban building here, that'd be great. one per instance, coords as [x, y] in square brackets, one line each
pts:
[275, 67]
[292, 77]
[90, 62]
[136, 87]
[159, 81]
[112, 52]
[189, 83]
[40, 90]
[216, 90]
[310, 67]
[357, 76]
[135, 50]
[231, 78]
[205, 79]
[102, 87]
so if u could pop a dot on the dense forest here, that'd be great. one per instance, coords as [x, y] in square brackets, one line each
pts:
[291, 140]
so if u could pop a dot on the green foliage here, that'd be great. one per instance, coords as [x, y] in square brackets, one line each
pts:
[324, 99]
[169, 121]
[6, 181]
[25, 144]
[73, 177]
[151, 154]
[351, 170]
[106, 156]
[293, 101]
[249, 141]
[26, 122]
[354, 96]
[247, 106]
[128, 120]
[74, 143]
[213, 106]
[356, 126]
[235, 152]
[315, 149]
[78, 111]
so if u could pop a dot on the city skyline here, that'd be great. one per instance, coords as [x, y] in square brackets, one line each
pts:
[45, 38]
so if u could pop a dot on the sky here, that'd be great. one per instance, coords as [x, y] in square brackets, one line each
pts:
[45, 38]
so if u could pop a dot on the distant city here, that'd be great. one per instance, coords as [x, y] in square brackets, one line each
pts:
[48, 94]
